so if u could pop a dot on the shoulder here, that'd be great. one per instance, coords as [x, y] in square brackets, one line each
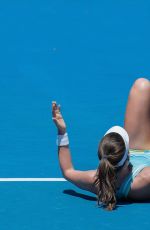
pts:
[140, 188]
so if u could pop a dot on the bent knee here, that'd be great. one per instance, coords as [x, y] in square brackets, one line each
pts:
[142, 84]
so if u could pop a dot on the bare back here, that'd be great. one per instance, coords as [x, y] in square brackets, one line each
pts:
[140, 188]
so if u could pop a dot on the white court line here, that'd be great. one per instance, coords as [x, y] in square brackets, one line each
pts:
[30, 179]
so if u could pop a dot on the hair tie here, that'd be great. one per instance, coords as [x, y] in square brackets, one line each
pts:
[104, 157]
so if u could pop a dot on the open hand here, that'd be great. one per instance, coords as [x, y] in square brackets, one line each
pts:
[57, 118]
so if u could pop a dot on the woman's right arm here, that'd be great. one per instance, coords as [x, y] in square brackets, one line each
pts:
[140, 188]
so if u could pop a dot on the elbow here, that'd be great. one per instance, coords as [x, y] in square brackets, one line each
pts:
[64, 175]
[67, 174]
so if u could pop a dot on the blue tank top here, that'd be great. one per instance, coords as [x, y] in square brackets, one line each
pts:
[139, 160]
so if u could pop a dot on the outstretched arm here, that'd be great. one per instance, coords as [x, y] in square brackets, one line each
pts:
[82, 179]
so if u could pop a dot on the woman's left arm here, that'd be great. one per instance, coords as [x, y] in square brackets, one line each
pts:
[82, 179]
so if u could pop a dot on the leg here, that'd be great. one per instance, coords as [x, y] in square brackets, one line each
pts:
[137, 117]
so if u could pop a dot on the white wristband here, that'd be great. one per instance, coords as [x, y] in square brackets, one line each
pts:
[62, 140]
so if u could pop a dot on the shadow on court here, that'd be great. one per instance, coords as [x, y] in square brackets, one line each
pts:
[80, 195]
[120, 203]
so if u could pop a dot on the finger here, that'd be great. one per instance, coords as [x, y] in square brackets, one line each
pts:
[54, 119]
[56, 110]
[59, 107]
[53, 114]
[54, 106]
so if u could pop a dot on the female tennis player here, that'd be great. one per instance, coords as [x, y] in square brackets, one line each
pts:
[124, 166]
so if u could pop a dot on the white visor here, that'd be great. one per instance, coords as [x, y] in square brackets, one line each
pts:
[125, 136]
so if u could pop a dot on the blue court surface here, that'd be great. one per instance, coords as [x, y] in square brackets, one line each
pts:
[85, 55]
